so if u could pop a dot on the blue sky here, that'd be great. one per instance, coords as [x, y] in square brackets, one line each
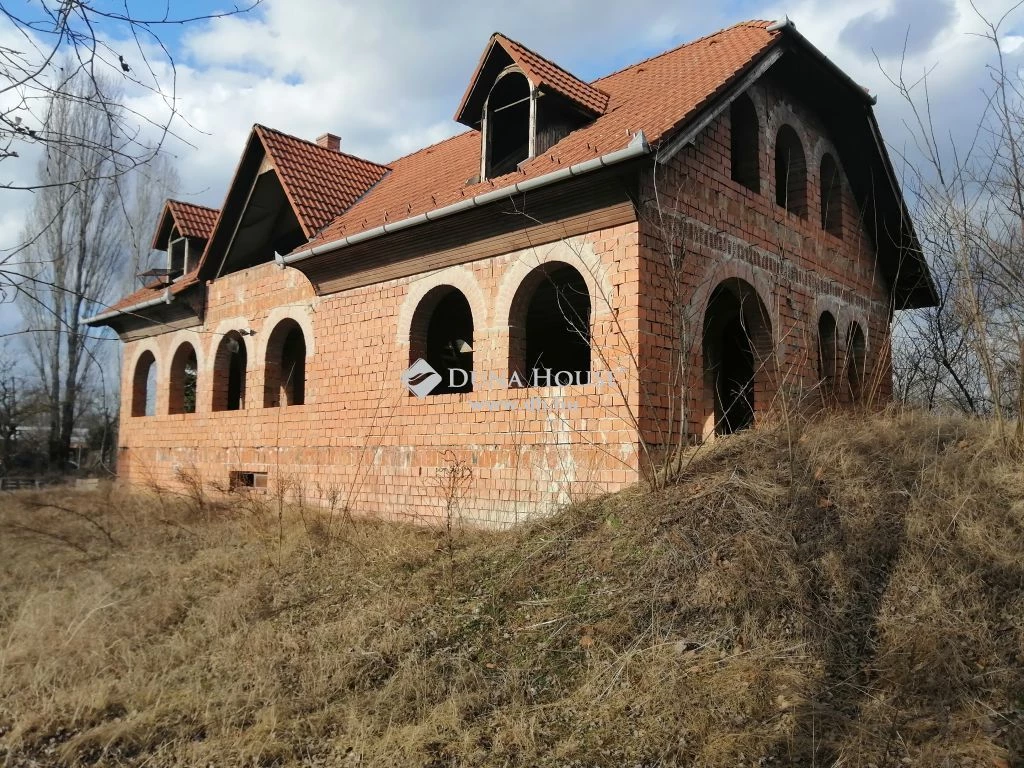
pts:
[387, 75]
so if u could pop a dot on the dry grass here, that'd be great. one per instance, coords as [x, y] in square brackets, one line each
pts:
[851, 594]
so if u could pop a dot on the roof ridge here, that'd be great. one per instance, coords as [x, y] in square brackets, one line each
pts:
[192, 205]
[333, 152]
[753, 23]
[547, 60]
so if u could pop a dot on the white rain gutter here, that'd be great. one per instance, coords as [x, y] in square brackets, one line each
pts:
[166, 298]
[638, 146]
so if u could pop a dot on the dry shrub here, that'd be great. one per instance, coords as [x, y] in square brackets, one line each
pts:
[848, 592]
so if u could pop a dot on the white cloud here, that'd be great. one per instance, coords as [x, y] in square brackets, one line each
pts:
[388, 76]
[952, 54]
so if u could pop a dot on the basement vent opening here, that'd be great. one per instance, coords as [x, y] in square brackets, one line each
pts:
[241, 480]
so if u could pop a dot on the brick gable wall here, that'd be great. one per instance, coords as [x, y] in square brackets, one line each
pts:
[721, 230]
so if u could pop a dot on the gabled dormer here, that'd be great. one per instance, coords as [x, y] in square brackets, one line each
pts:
[522, 105]
[284, 192]
[183, 231]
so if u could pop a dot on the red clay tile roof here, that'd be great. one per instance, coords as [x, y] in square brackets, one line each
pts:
[319, 182]
[544, 74]
[190, 219]
[153, 290]
[336, 194]
[654, 96]
[193, 220]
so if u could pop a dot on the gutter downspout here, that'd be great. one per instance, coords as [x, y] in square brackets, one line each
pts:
[166, 298]
[638, 147]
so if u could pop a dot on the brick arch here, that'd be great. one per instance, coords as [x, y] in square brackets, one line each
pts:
[741, 155]
[177, 380]
[722, 272]
[228, 386]
[563, 334]
[737, 356]
[285, 366]
[734, 269]
[459, 277]
[213, 339]
[855, 315]
[782, 113]
[146, 359]
[576, 252]
[840, 311]
[300, 314]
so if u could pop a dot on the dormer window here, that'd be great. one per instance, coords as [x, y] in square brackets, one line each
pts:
[523, 105]
[508, 139]
[177, 254]
[182, 234]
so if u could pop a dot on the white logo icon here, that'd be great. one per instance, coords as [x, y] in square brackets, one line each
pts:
[421, 378]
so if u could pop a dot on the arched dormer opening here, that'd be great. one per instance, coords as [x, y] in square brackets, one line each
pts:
[523, 104]
[508, 139]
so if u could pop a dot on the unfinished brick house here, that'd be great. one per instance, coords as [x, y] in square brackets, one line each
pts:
[587, 276]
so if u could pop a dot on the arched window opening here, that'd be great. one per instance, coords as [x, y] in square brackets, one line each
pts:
[507, 116]
[549, 327]
[442, 334]
[737, 345]
[831, 197]
[745, 146]
[285, 382]
[229, 369]
[184, 374]
[790, 172]
[144, 386]
[827, 355]
[856, 358]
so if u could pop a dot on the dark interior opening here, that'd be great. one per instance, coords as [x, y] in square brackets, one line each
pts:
[790, 172]
[229, 373]
[237, 364]
[736, 334]
[827, 354]
[745, 143]
[293, 368]
[856, 351]
[557, 325]
[831, 197]
[240, 480]
[285, 367]
[508, 124]
[443, 336]
[184, 376]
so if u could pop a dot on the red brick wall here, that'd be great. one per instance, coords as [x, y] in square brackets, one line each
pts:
[361, 433]
[718, 229]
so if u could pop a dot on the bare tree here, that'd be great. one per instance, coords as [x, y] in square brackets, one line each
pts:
[78, 259]
[10, 408]
[148, 188]
[55, 45]
[966, 353]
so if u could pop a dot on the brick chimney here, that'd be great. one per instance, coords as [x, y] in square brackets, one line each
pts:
[330, 141]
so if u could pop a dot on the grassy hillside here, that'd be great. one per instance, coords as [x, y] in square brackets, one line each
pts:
[849, 595]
